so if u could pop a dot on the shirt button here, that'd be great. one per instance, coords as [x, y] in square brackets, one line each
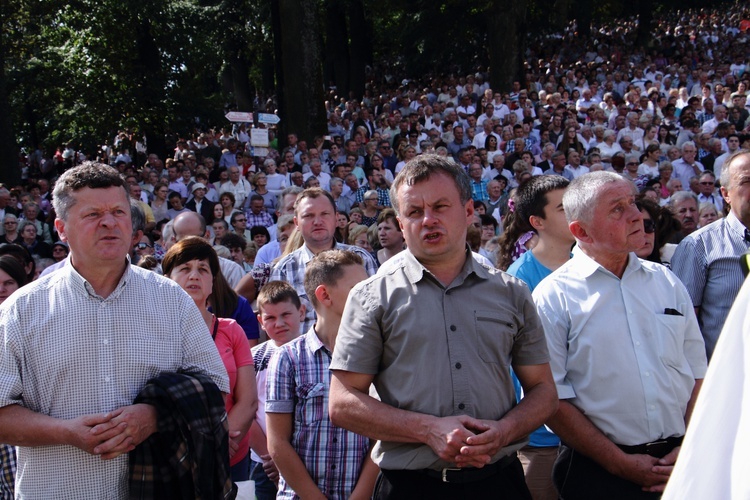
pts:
[647, 374]
[461, 406]
[333, 467]
[637, 343]
[458, 366]
[106, 342]
[453, 328]
[106, 379]
[335, 440]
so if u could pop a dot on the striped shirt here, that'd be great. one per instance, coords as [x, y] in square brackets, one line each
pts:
[708, 263]
[292, 270]
[66, 352]
[299, 382]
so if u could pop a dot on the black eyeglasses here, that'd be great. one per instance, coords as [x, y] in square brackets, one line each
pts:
[143, 246]
[240, 220]
[649, 226]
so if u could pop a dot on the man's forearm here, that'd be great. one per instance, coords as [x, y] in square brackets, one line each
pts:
[537, 406]
[20, 426]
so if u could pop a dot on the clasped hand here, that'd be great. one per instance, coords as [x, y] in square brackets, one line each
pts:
[109, 435]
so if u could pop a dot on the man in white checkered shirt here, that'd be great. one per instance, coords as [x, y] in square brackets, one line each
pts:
[78, 345]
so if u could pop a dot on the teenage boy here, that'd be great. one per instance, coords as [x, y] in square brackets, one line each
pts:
[280, 314]
[315, 458]
[539, 204]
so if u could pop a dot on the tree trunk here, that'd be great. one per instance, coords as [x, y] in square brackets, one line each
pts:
[9, 172]
[506, 32]
[361, 48]
[336, 51]
[302, 106]
[645, 18]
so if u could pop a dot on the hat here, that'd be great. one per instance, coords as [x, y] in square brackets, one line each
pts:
[60, 244]
[198, 185]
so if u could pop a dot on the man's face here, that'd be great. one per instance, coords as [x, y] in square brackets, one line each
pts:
[239, 223]
[737, 192]
[687, 213]
[458, 134]
[256, 206]
[616, 227]
[351, 181]
[98, 228]
[495, 190]
[135, 191]
[706, 185]
[316, 220]
[236, 255]
[377, 177]
[219, 230]
[172, 173]
[554, 221]
[315, 168]
[434, 220]
[688, 154]
[336, 189]
[475, 172]
[234, 174]
[733, 144]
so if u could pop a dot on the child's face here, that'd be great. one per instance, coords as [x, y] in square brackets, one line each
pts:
[282, 321]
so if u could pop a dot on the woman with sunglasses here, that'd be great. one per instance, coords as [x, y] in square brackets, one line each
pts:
[659, 225]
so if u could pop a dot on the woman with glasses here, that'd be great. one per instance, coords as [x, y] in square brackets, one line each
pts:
[369, 208]
[10, 225]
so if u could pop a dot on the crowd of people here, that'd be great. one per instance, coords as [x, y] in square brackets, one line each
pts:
[607, 167]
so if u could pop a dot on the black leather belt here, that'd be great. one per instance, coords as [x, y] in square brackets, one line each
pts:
[469, 474]
[656, 449]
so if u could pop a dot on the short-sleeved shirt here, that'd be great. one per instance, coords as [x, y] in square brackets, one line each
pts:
[299, 382]
[625, 351]
[439, 350]
[234, 351]
[66, 352]
[707, 262]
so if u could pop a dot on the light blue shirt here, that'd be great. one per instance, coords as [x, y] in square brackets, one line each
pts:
[615, 353]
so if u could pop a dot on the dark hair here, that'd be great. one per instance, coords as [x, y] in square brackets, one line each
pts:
[327, 268]
[666, 223]
[14, 269]
[87, 175]
[22, 256]
[275, 292]
[223, 298]
[232, 240]
[423, 167]
[256, 230]
[530, 199]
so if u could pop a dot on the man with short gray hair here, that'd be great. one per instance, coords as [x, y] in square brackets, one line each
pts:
[625, 350]
[687, 166]
[707, 261]
[684, 205]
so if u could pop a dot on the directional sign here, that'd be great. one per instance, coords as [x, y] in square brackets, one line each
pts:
[239, 116]
[268, 118]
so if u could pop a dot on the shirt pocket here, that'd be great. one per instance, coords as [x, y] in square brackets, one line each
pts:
[494, 331]
[670, 338]
[311, 402]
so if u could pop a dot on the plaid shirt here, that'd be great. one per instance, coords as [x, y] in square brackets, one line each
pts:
[262, 219]
[189, 455]
[299, 382]
[292, 270]
[384, 196]
[479, 190]
[7, 470]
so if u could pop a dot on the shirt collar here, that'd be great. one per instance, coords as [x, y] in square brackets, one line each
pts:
[734, 223]
[313, 342]
[415, 271]
[586, 266]
[82, 284]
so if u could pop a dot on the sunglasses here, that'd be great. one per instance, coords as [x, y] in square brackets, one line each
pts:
[649, 226]
[142, 246]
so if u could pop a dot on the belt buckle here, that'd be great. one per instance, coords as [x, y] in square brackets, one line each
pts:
[654, 444]
[445, 473]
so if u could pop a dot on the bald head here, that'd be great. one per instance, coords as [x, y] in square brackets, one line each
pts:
[189, 224]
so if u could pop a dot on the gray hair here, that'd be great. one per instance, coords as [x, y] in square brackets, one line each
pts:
[423, 167]
[681, 196]
[283, 222]
[137, 217]
[665, 165]
[87, 175]
[686, 144]
[336, 181]
[582, 195]
[726, 177]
